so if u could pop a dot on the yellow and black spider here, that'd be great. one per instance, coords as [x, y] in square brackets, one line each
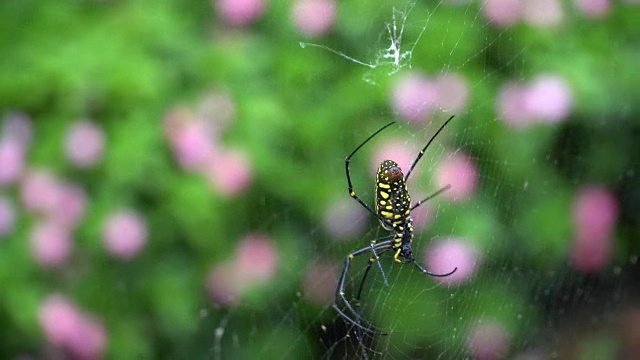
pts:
[393, 210]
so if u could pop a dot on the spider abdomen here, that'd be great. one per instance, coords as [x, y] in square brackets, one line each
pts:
[392, 197]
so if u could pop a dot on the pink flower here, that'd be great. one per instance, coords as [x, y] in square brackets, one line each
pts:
[548, 98]
[345, 218]
[7, 217]
[50, 244]
[511, 107]
[59, 319]
[257, 258]
[503, 13]
[593, 8]
[70, 205]
[488, 340]
[313, 17]
[453, 92]
[240, 12]
[39, 191]
[414, 97]
[124, 234]
[458, 171]
[319, 283]
[223, 285]
[61, 202]
[84, 143]
[230, 172]
[443, 256]
[595, 213]
[89, 340]
[255, 263]
[190, 139]
[67, 327]
[12, 159]
[543, 13]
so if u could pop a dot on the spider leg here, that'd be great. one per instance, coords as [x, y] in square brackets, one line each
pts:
[347, 163]
[426, 146]
[366, 272]
[443, 189]
[363, 351]
[340, 294]
[376, 259]
[424, 271]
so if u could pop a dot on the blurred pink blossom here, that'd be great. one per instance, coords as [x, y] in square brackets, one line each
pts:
[191, 141]
[503, 13]
[345, 219]
[39, 191]
[240, 12]
[12, 160]
[543, 13]
[313, 17]
[223, 285]
[257, 258]
[61, 202]
[256, 262]
[70, 205]
[458, 171]
[512, 107]
[414, 97]
[549, 98]
[59, 319]
[488, 340]
[319, 283]
[124, 234]
[453, 92]
[595, 212]
[230, 172]
[51, 244]
[67, 327]
[593, 8]
[90, 339]
[84, 144]
[7, 217]
[442, 256]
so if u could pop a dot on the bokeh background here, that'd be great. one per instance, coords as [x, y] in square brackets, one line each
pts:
[172, 177]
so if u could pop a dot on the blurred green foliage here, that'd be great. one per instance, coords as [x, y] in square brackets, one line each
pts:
[126, 64]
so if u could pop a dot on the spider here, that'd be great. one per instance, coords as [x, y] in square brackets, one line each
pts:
[393, 210]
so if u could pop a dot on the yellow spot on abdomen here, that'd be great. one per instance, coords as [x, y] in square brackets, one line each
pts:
[384, 195]
[384, 186]
[386, 214]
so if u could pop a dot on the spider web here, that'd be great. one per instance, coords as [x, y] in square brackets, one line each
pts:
[510, 307]
[396, 56]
